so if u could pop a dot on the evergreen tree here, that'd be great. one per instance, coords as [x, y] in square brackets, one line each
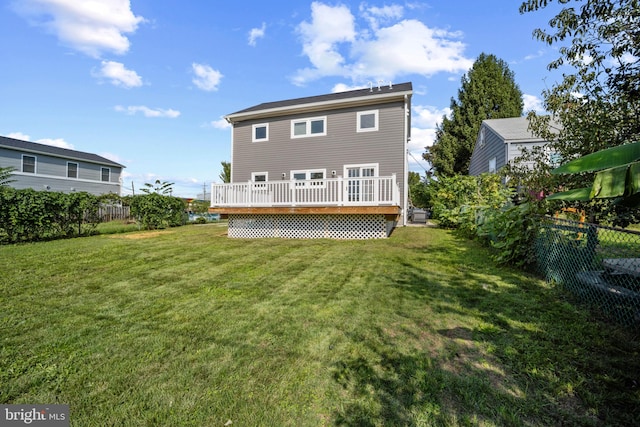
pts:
[488, 91]
[225, 175]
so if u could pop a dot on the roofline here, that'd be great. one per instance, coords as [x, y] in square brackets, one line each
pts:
[69, 153]
[71, 157]
[315, 106]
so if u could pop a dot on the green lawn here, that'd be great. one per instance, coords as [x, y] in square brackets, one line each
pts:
[187, 327]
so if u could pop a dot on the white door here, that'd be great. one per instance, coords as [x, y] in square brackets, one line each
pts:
[358, 187]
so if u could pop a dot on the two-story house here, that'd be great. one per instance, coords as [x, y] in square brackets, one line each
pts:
[500, 141]
[47, 168]
[327, 166]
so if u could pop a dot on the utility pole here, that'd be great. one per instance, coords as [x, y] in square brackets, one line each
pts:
[133, 191]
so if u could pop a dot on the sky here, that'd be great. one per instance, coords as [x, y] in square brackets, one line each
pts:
[146, 83]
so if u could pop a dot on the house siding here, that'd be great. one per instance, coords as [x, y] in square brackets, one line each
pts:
[342, 145]
[494, 146]
[51, 174]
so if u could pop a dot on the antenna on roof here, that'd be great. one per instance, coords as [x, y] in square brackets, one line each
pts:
[379, 88]
[370, 87]
[390, 85]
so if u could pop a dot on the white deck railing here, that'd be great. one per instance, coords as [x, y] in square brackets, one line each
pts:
[362, 191]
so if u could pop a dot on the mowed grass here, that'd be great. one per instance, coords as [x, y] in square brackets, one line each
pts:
[185, 327]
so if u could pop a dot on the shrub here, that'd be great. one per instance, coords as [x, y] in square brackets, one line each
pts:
[154, 210]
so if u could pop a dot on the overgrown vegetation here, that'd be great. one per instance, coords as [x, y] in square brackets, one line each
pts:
[153, 211]
[598, 101]
[417, 329]
[28, 215]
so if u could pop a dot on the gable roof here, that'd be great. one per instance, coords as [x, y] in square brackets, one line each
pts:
[367, 96]
[34, 147]
[513, 129]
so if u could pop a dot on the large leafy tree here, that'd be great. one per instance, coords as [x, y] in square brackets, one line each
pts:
[598, 100]
[488, 91]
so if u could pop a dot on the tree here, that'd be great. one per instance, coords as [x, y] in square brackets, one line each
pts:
[164, 187]
[488, 91]
[598, 100]
[5, 175]
[225, 175]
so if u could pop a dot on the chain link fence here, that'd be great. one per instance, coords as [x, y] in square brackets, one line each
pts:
[599, 265]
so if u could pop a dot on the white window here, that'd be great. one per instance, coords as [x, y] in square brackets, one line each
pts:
[259, 176]
[260, 132]
[482, 137]
[367, 121]
[106, 174]
[28, 164]
[492, 165]
[309, 178]
[72, 170]
[315, 126]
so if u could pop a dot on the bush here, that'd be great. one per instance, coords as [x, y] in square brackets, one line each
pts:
[459, 201]
[153, 211]
[29, 215]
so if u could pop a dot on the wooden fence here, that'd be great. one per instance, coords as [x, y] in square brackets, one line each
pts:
[112, 213]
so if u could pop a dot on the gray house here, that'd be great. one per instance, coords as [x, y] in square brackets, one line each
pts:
[333, 166]
[47, 168]
[499, 142]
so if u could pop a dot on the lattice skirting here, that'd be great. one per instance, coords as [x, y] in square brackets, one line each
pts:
[348, 226]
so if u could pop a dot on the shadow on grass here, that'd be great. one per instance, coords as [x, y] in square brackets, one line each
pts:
[509, 350]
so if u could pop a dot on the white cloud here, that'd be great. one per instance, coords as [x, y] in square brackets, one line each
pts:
[342, 87]
[147, 112]
[256, 33]
[91, 27]
[19, 135]
[57, 142]
[206, 77]
[425, 120]
[376, 52]
[532, 103]
[329, 26]
[221, 123]
[375, 15]
[118, 75]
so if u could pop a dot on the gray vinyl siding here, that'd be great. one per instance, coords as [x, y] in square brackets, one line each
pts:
[341, 146]
[515, 149]
[494, 146]
[51, 174]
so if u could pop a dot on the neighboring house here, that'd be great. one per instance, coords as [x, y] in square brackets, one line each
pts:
[500, 141]
[47, 168]
[331, 166]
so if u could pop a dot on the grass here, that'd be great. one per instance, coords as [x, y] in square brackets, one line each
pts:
[185, 327]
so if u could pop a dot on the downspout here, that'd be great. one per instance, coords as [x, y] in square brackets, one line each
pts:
[405, 179]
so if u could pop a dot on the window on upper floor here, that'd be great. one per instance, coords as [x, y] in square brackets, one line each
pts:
[482, 137]
[259, 179]
[28, 164]
[260, 132]
[105, 174]
[72, 170]
[315, 126]
[367, 121]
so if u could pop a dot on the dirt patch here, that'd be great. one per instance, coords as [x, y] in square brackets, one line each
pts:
[140, 235]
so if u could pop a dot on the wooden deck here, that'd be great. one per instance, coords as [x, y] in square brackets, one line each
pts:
[391, 213]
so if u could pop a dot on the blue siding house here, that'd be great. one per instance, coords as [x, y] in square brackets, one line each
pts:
[47, 168]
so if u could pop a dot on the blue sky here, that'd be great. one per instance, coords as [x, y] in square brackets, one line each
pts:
[147, 82]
